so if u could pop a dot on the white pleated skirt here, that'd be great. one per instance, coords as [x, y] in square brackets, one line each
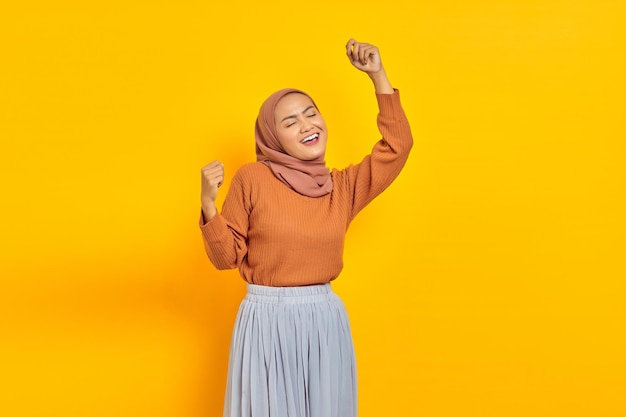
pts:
[291, 355]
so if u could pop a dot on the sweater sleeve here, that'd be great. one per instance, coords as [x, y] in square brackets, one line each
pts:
[226, 235]
[377, 170]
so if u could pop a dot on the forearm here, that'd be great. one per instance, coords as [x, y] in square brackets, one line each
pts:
[378, 170]
[220, 242]
[225, 231]
[382, 85]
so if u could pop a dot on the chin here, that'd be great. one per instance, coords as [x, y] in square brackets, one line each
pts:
[308, 158]
[315, 156]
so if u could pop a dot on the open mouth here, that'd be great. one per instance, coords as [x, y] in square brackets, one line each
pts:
[310, 139]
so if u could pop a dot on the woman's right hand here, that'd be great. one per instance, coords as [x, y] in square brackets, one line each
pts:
[212, 178]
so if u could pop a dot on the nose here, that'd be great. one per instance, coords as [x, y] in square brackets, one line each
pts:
[306, 125]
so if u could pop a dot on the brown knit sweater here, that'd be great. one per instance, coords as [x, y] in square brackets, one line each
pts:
[278, 237]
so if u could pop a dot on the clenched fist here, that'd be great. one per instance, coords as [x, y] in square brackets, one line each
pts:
[212, 178]
[366, 57]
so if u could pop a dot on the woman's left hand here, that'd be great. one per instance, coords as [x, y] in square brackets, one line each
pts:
[364, 56]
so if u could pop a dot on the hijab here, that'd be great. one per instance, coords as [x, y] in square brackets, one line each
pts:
[309, 178]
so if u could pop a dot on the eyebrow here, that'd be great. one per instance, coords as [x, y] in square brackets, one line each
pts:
[293, 116]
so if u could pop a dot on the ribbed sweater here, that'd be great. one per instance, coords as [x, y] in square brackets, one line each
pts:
[278, 237]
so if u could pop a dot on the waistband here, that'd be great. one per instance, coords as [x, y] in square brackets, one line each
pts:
[289, 295]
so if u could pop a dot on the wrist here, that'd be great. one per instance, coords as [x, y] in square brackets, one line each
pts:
[381, 82]
[208, 211]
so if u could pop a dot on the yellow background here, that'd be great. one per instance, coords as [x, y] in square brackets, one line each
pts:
[487, 281]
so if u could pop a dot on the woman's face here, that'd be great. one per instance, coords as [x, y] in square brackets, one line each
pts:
[300, 128]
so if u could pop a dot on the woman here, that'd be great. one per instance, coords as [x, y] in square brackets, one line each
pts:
[283, 225]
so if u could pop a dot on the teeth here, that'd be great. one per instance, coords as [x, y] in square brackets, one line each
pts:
[310, 138]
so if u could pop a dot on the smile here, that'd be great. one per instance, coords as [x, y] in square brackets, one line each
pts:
[310, 138]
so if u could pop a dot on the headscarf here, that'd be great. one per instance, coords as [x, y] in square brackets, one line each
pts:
[309, 178]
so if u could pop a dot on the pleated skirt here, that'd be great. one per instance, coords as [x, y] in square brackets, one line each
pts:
[291, 355]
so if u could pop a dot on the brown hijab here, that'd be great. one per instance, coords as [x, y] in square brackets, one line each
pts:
[309, 178]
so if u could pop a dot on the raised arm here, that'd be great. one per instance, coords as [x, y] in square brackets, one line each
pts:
[225, 234]
[378, 170]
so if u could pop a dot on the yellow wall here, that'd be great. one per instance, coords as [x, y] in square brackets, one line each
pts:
[487, 281]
